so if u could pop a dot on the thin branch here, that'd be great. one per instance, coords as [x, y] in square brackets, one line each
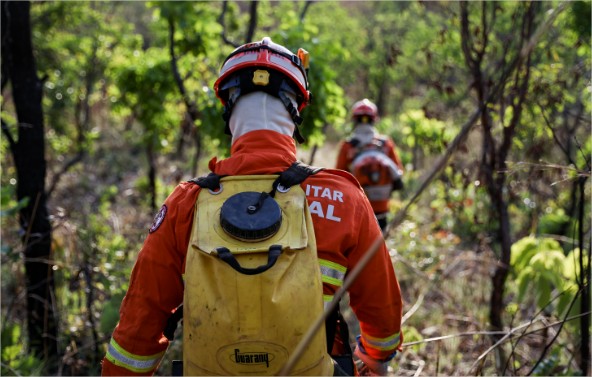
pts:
[585, 155]
[452, 336]
[466, 34]
[250, 28]
[548, 166]
[508, 334]
[543, 28]
[90, 298]
[222, 22]
[520, 85]
[14, 371]
[484, 29]
[190, 105]
[9, 138]
[252, 22]
[83, 118]
[548, 345]
[434, 281]
[56, 178]
[541, 310]
[307, 5]
[555, 137]
[174, 65]
[9, 307]
[315, 147]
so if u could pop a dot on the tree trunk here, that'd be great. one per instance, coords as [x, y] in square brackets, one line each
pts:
[493, 164]
[584, 284]
[151, 173]
[29, 157]
[496, 303]
[315, 148]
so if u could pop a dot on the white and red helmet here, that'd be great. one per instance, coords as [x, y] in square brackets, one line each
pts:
[267, 54]
[269, 67]
[364, 109]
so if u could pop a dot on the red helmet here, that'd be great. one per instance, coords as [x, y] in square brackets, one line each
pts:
[266, 55]
[364, 108]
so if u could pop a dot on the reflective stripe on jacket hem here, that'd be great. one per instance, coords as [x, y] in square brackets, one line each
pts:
[383, 344]
[332, 273]
[136, 363]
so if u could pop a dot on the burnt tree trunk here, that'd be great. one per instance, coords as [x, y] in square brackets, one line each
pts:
[28, 151]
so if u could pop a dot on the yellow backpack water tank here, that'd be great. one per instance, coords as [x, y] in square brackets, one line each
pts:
[249, 324]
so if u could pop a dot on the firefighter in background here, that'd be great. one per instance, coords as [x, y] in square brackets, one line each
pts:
[263, 87]
[372, 158]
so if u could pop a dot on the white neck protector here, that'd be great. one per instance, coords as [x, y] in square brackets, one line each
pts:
[364, 132]
[260, 111]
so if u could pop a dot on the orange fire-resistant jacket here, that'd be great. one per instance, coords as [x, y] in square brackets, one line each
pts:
[345, 227]
[347, 153]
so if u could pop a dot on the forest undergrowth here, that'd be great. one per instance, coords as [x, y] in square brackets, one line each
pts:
[445, 270]
[98, 230]
[445, 281]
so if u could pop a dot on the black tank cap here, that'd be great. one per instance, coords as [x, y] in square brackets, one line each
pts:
[244, 224]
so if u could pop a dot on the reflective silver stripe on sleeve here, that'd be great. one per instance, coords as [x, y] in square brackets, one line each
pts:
[139, 364]
[383, 344]
[332, 273]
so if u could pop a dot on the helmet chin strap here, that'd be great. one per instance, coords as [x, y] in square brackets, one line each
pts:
[292, 110]
[259, 111]
[234, 92]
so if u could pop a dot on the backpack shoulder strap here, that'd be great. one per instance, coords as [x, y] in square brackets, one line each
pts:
[294, 175]
[354, 142]
[211, 181]
[381, 142]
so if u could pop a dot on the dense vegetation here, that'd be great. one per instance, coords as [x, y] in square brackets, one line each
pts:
[106, 106]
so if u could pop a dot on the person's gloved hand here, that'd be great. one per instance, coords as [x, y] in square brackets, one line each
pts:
[370, 366]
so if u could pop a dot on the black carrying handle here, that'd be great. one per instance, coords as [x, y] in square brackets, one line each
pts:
[226, 256]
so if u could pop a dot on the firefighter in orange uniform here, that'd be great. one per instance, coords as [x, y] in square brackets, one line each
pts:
[263, 122]
[372, 158]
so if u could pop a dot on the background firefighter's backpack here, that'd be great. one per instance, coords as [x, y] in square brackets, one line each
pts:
[373, 168]
[252, 280]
